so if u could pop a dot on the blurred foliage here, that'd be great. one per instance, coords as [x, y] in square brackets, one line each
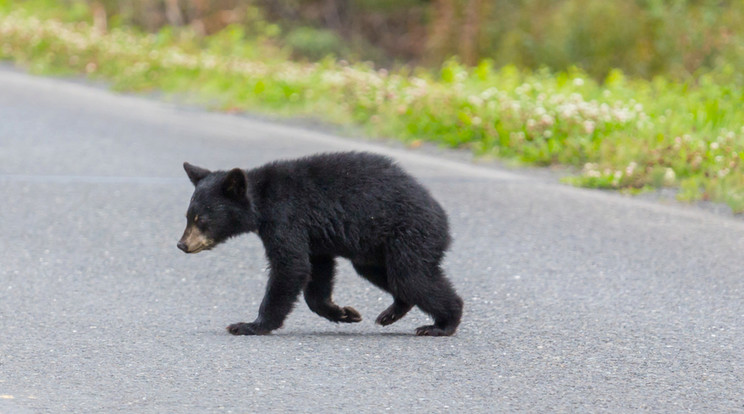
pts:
[620, 132]
[675, 38]
[315, 44]
[642, 37]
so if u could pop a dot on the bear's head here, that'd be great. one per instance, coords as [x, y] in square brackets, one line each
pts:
[220, 208]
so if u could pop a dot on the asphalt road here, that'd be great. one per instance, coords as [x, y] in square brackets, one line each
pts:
[575, 300]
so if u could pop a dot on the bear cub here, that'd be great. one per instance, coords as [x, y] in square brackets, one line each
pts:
[309, 211]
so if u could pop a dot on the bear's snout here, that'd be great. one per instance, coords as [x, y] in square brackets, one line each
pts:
[194, 241]
[181, 245]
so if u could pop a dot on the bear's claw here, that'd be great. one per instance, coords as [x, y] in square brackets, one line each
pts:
[387, 317]
[243, 328]
[349, 315]
[433, 330]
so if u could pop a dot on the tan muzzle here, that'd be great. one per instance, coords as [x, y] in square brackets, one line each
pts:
[194, 241]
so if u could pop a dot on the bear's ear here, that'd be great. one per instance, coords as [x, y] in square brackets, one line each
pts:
[235, 184]
[195, 173]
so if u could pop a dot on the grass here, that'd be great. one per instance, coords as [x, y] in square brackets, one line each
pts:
[620, 134]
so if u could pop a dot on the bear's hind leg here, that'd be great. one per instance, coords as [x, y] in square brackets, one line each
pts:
[378, 276]
[393, 313]
[319, 289]
[373, 273]
[430, 291]
[437, 297]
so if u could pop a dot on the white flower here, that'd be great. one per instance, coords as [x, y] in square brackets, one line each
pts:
[631, 168]
[488, 93]
[589, 166]
[475, 100]
[669, 176]
[589, 126]
[547, 120]
[568, 110]
[523, 88]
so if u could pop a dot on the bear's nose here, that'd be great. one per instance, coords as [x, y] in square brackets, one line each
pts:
[181, 245]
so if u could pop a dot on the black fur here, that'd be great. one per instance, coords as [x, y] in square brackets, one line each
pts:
[311, 210]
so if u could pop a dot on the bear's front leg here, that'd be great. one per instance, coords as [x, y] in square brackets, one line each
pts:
[318, 292]
[287, 278]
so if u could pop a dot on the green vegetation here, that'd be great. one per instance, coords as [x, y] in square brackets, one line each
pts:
[620, 133]
[645, 38]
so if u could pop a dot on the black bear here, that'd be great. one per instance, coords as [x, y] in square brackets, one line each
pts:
[307, 212]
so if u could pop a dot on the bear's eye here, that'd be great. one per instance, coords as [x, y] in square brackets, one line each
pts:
[201, 221]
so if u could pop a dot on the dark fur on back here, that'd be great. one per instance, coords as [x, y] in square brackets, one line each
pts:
[309, 211]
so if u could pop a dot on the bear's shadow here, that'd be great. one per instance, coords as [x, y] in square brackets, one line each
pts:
[330, 334]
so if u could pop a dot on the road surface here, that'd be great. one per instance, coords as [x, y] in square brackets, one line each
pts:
[575, 300]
